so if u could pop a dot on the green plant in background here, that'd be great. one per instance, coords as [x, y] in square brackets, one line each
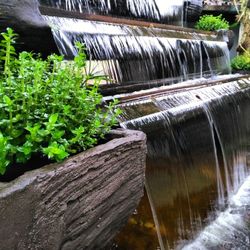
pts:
[241, 62]
[47, 106]
[211, 23]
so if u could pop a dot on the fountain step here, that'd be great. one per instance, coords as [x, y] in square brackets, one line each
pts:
[160, 87]
[50, 11]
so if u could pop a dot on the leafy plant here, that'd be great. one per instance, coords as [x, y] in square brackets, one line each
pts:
[241, 62]
[212, 23]
[47, 106]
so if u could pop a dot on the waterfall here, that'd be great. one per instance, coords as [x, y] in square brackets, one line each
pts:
[197, 153]
[155, 10]
[137, 54]
[133, 54]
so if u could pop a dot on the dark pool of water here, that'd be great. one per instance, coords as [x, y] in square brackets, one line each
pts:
[183, 199]
[197, 161]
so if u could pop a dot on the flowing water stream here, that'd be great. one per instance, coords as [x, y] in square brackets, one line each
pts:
[198, 146]
[131, 54]
[154, 10]
[134, 54]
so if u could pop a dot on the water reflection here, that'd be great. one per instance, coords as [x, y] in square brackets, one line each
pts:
[182, 210]
[142, 225]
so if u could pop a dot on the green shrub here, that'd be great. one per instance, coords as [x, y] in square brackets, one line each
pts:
[241, 62]
[212, 23]
[47, 107]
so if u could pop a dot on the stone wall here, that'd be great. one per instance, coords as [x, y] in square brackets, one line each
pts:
[78, 204]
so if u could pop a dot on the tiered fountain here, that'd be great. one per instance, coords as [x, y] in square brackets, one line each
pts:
[198, 130]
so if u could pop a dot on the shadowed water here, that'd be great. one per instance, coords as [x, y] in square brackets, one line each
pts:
[198, 144]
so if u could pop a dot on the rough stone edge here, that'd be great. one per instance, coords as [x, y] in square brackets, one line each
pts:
[35, 228]
[121, 136]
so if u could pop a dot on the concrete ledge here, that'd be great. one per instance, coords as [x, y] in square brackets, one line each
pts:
[78, 204]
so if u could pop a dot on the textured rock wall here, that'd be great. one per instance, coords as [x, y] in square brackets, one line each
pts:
[78, 204]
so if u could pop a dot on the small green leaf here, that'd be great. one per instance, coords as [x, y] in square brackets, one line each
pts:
[57, 134]
[3, 166]
[55, 151]
[15, 133]
[4, 161]
[26, 148]
[7, 100]
[53, 118]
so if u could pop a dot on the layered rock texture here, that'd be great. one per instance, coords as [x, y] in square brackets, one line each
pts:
[78, 204]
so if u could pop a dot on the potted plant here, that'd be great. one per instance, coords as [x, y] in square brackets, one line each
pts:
[48, 113]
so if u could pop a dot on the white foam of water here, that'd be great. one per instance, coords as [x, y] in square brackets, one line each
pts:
[85, 26]
[230, 222]
[188, 100]
[149, 8]
[157, 8]
[72, 5]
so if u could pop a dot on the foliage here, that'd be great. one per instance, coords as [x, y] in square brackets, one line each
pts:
[47, 106]
[212, 23]
[241, 62]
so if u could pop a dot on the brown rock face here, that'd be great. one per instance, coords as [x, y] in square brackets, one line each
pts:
[78, 204]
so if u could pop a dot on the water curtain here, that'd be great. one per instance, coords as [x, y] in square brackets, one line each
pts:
[131, 54]
[197, 161]
[154, 10]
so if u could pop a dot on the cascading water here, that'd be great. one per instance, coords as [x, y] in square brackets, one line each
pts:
[134, 54]
[154, 10]
[197, 152]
